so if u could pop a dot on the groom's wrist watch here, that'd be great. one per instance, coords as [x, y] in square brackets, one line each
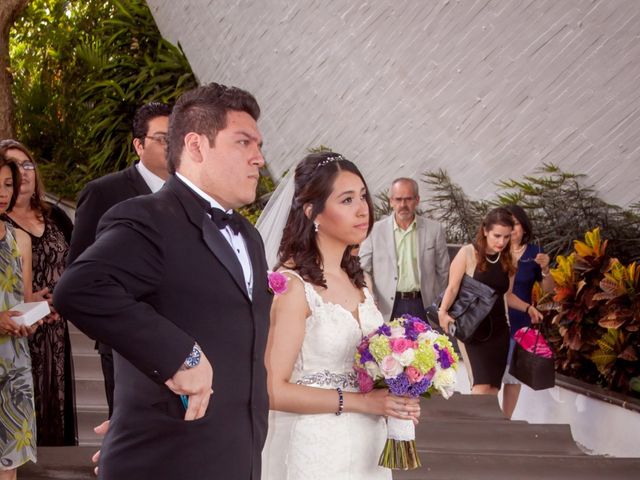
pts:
[193, 360]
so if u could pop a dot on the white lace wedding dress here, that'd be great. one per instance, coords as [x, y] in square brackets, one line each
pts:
[327, 446]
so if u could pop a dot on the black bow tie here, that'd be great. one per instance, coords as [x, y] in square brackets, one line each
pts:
[223, 219]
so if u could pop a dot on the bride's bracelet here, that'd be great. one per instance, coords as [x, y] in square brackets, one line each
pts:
[340, 401]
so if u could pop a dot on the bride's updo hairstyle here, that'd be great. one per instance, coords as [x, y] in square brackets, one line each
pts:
[314, 178]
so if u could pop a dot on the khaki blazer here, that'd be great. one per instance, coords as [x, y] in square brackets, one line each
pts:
[378, 258]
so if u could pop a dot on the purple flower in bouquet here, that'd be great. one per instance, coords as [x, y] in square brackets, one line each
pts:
[413, 326]
[445, 359]
[384, 329]
[418, 388]
[366, 356]
[277, 282]
[399, 385]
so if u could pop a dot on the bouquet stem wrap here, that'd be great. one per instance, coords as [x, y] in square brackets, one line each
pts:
[399, 451]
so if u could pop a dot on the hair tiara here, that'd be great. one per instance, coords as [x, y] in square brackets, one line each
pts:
[330, 159]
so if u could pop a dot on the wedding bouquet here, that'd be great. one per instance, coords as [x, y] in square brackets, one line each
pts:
[409, 358]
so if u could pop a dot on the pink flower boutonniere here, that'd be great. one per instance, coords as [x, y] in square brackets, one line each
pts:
[277, 283]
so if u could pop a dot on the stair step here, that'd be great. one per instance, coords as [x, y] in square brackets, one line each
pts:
[80, 343]
[441, 465]
[470, 407]
[68, 463]
[90, 394]
[497, 437]
[87, 366]
[89, 418]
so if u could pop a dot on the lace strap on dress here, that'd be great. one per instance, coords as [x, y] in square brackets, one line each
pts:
[313, 297]
[367, 294]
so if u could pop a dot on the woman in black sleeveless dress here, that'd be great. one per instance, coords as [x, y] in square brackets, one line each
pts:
[486, 353]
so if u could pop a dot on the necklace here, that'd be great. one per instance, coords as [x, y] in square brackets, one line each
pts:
[519, 250]
[493, 261]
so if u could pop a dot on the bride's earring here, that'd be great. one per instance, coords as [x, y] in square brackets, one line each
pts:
[316, 225]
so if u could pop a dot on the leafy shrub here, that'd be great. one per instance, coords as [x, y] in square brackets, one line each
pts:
[595, 315]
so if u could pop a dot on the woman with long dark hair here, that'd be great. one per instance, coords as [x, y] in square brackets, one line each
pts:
[532, 265]
[323, 427]
[50, 232]
[489, 261]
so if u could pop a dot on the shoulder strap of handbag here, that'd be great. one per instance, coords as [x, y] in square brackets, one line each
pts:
[471, 259]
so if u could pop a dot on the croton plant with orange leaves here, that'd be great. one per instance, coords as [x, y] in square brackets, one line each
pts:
[595, 316]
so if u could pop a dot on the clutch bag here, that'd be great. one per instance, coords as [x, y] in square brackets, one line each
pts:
[472, 305]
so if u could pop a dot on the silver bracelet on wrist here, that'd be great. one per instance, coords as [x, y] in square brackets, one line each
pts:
[340, 401]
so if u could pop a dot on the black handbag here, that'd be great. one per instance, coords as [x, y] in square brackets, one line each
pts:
[533, 370]
[472, 305]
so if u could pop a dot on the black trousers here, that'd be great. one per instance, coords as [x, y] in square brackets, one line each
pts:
[106, 359]
[412, 307]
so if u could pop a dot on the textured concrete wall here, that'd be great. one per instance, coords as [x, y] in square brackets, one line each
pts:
[488, 90]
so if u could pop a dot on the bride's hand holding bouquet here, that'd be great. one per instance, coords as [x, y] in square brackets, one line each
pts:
[382, 402]
[411, 360]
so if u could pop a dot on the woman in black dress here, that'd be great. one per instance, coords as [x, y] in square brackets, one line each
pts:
[50, 347]
[488, 261]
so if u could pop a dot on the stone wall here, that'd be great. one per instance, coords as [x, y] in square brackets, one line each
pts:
[487, 90]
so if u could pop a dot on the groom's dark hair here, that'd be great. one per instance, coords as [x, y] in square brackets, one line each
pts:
[315, 176]
[203, 110]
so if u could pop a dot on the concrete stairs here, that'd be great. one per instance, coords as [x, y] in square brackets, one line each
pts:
[468, 437]
[91, 403]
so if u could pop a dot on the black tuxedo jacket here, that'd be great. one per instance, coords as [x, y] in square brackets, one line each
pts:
[96, 198]
[159, 277]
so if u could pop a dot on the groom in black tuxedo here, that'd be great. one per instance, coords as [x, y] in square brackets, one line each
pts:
[176, 283]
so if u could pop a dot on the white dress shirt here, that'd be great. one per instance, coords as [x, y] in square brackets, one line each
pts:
[153, 181]
[235, 239]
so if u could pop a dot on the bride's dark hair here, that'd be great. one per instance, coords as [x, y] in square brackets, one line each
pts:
[314, 179]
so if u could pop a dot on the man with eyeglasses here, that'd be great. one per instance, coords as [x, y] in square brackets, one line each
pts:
[150, 126]
[406, 255]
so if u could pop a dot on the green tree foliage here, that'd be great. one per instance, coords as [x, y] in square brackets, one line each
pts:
[81, 68]
[447, 202]
[562, 208]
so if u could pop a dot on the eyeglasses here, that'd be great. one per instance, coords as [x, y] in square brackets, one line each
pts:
[161, 139]
[538, 249]
[26, 165]
[402, 199]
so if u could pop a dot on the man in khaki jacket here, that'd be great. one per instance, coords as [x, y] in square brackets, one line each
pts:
[406, 255]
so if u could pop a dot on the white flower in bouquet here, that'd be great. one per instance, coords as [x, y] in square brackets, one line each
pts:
[405, 358]
[373, 370]
[391, 367]
[444, 381]
[397, 332]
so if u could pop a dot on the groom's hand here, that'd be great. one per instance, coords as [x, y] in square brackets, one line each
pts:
[101, 430]
[196, 384]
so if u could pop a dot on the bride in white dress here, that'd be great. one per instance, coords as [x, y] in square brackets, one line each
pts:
[320, 426]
